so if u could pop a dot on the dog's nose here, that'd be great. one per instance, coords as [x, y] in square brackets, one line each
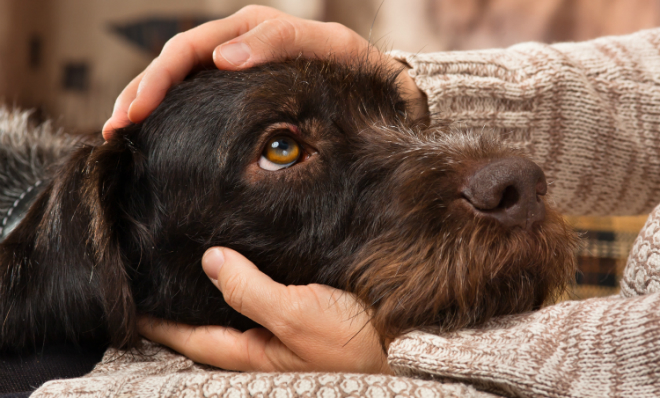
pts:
[508, 190]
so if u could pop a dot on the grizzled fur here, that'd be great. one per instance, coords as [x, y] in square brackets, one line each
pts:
[375, 209]
[27, 153]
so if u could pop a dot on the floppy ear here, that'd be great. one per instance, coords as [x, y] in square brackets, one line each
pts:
[63, 273]
[116, 208]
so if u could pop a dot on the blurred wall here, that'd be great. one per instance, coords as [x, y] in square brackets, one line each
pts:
[67, 60]
[4, 50]
[64, 59]
[441, 25]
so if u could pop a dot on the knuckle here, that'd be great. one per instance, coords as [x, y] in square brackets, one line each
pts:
[285, 329]
[255, 353]
[294, 312]
[343, 35]
[251, 9]
[335, 27]
[174, 44]
[234, 290]
[281, 31]
[257, 9]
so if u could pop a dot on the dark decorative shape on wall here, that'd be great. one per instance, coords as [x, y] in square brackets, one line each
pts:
[150, 34]
[35, 49]
[76, 76]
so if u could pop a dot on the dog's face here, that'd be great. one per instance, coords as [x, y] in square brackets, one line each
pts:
[314, 172]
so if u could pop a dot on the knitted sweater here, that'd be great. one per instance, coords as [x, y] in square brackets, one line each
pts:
[589, 114]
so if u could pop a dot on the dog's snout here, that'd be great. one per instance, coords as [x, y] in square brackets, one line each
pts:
[508, 190]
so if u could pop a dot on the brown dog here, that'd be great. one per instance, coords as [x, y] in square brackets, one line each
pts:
[313, 170]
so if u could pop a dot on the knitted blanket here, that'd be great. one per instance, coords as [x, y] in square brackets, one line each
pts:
[159, 372]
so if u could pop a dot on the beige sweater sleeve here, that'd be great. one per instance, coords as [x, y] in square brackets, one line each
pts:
[588, 113]
[593, 348]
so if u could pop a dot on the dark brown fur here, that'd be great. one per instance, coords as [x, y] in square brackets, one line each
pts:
[377, 210]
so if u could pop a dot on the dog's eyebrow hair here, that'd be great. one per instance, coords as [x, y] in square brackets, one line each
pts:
[335, 123]
[277, 126]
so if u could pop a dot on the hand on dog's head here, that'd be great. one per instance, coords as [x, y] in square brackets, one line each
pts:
[309, 168]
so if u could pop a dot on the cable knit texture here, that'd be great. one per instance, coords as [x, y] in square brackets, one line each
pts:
[589, 114]
[159, 372]
[642, 273]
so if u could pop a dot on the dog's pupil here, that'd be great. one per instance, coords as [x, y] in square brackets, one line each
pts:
[282, 146]
[282, 150]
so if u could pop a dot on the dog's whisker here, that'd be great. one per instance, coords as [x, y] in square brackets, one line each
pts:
[364, 325]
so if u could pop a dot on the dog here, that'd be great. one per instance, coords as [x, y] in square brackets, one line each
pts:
[312, 169]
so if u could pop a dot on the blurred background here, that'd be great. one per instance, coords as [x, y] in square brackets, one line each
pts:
[69, 59]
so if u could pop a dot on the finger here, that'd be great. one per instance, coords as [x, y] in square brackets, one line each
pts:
[284, 310]
[119, 116]
[245, 288]
[287, 37]
[187, 51]
[253, 350]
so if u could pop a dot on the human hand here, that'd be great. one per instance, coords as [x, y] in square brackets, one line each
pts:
[253, 35]
[307, 328]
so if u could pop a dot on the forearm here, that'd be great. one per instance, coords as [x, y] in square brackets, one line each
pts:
[586, 112]
[593, 348]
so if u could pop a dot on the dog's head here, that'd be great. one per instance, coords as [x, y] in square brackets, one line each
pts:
[313, 170]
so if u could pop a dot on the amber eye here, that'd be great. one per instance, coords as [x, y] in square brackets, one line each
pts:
[280, 152]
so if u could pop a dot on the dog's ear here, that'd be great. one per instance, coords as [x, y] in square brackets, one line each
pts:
[116, 208]
[63, 273]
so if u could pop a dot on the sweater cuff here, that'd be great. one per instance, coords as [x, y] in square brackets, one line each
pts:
[475, 88]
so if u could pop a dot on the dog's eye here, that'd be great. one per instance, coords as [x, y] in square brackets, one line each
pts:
[280, 152]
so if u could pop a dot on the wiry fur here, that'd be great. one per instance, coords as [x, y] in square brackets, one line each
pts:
[27, 153]
[377, 210]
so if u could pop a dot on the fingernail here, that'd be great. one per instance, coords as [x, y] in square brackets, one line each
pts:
[129, 109]
[212, 262]
[235, 53]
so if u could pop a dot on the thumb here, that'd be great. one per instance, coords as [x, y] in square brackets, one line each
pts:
[278, 39]
[271, 40]
[244, 287]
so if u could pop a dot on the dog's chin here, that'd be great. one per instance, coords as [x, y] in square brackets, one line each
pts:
[473, 272]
